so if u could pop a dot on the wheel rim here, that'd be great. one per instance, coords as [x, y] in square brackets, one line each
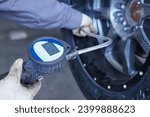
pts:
[121, 65]
[129, 26]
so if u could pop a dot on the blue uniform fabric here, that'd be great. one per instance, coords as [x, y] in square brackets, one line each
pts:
[41, 14]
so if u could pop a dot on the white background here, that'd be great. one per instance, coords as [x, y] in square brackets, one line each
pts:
[7, 108]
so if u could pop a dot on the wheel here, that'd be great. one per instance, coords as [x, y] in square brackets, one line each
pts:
[121, 70]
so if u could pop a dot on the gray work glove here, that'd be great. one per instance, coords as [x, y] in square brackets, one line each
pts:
[86, 24]
[10, 87]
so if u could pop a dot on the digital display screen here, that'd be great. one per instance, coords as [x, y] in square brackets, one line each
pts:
[50, 48]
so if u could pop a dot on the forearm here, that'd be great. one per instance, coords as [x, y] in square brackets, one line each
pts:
[42, 14]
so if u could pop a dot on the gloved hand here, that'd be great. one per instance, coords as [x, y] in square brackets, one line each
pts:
[10, 87]
[86, 24]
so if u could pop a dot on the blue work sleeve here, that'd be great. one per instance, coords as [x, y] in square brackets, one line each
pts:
[41, 14]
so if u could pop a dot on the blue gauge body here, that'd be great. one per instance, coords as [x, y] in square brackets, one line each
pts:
[47, 55]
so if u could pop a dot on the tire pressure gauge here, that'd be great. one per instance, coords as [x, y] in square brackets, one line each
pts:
[48, 55]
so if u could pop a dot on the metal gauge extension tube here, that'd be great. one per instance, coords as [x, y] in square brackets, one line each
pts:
[105, 42]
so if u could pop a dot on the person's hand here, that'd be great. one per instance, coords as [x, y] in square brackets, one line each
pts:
[86, 24]
[10, 87]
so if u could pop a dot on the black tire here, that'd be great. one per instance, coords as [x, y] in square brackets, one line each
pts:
[96, 79]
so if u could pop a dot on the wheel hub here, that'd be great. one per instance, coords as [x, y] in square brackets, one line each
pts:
[136, 11]
[125, 16]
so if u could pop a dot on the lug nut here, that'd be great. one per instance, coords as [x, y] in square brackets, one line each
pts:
[120, 6]
[118, 14]
[121, 18]
[124, 23]
[135, 28]
[123, 6]
[116, 20]
[127, 29]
